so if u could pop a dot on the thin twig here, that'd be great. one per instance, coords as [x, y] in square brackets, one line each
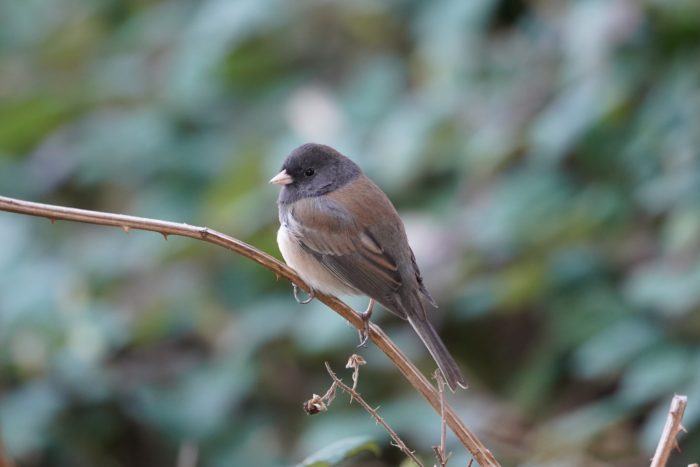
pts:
[671, 429]
[355, 396]
[440, 451]
[483, 456]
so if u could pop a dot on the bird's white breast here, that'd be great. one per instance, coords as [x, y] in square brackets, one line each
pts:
[308, 267]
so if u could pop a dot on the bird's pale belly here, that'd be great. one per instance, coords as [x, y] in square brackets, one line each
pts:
[313, 272]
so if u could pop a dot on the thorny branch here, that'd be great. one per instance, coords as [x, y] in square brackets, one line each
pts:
[482, 455]
[323, 402]
[672, 427]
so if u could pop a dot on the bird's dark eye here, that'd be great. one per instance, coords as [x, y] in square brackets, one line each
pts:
[309, 172]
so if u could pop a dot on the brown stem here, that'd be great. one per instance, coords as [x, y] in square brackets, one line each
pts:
[482, 455]
[671, 429]
[441, 451]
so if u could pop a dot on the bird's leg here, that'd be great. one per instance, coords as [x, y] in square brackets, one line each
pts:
[299, 300]
[365, 315]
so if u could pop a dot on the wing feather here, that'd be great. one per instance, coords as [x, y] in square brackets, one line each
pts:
[346, 247]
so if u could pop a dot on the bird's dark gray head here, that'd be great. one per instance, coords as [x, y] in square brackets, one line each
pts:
[313, 170]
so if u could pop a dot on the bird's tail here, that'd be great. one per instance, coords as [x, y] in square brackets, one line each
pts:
[438, 351]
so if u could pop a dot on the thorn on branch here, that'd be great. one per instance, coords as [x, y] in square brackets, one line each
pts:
[126, 228]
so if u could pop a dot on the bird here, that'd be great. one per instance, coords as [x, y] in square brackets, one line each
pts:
[340, 232]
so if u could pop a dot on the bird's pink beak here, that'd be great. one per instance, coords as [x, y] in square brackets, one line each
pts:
[282, 178]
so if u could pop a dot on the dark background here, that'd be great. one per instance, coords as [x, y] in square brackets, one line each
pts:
[543, 155]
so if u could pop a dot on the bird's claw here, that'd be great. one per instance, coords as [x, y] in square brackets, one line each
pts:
[307, 299]
[364, 332]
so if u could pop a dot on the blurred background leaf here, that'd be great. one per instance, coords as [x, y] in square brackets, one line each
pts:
[340, 451]
[544, 156]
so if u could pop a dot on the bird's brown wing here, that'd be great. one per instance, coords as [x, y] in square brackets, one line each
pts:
[343, 237]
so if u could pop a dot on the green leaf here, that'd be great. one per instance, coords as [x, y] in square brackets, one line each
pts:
[24, 122]
[339, 451]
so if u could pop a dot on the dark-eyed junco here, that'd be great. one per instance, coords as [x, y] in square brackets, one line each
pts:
[342, 235]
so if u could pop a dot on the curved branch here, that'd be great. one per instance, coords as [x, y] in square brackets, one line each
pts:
[482, 455]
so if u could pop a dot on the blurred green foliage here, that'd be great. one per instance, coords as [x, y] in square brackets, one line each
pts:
[544, 156]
